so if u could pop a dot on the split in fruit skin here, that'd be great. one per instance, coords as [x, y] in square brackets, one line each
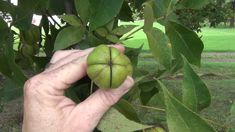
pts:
[108, 67]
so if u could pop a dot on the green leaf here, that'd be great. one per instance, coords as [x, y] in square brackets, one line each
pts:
[11, 90]
[41, 62]
[232, 111]
[140, 75]
[8, 67]
[177, 64]
[133, 54]
[68, 37]
[180, 118]
[148, 90]
[148, 17]
[138, 5]
[14, 87]
[184, 41]
[27, 4]
[3, 24]
[231, 119]
[56, 7]
[147, 85]
[83, 9]
[196, 95]
[71, 19]
[114, 121]
[158, 42]
[6, 6]
[23, 14]
[127, 110]
[192, 4]
[162, 8]
[71, 93]
[103, 32]
[103, 12]
[112, 38]
[109, 26]
[160, 47]
[157, 101]
[123, 29]
[22, 19]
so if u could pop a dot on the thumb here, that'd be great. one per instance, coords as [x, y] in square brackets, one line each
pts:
[100, 101]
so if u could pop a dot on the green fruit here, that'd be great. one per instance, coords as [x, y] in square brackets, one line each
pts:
[112, 38]
[102, 32]
[31, 36]
[108, 67]
[156, 129]
[27, 50]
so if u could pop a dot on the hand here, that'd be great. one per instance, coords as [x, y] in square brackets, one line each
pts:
[46, 109]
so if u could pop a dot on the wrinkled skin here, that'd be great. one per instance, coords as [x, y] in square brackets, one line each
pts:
[108, 67]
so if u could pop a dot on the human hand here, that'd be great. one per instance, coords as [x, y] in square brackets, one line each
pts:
[46, 109]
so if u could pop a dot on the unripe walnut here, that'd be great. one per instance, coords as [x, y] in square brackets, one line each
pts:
[108, 67]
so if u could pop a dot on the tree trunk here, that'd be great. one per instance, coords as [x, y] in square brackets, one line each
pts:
[232, 20]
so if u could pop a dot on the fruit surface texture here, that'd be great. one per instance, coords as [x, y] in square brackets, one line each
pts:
[108, 67]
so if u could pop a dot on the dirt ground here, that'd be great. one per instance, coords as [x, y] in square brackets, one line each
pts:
[219, 56]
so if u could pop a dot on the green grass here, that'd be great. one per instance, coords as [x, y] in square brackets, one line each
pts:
[218, 39]
[139, 37]
[215, 39]
[220, 68]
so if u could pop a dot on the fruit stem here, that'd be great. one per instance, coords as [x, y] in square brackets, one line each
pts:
[91, 88]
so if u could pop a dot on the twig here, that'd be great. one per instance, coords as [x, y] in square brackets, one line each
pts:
[48, 14]
[149, 107]
[136, 30]
[160, 18]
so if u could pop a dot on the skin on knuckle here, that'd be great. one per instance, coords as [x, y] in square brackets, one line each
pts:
[31, 84]
[58, 53]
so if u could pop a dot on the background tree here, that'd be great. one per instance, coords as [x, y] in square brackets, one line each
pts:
[213, 14]
[232, 13]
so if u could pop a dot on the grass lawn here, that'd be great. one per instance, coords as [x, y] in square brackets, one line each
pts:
[218, 39]
[215, 39]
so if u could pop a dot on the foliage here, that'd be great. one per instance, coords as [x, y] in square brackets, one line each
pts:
[214, 13]
[90, 23]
